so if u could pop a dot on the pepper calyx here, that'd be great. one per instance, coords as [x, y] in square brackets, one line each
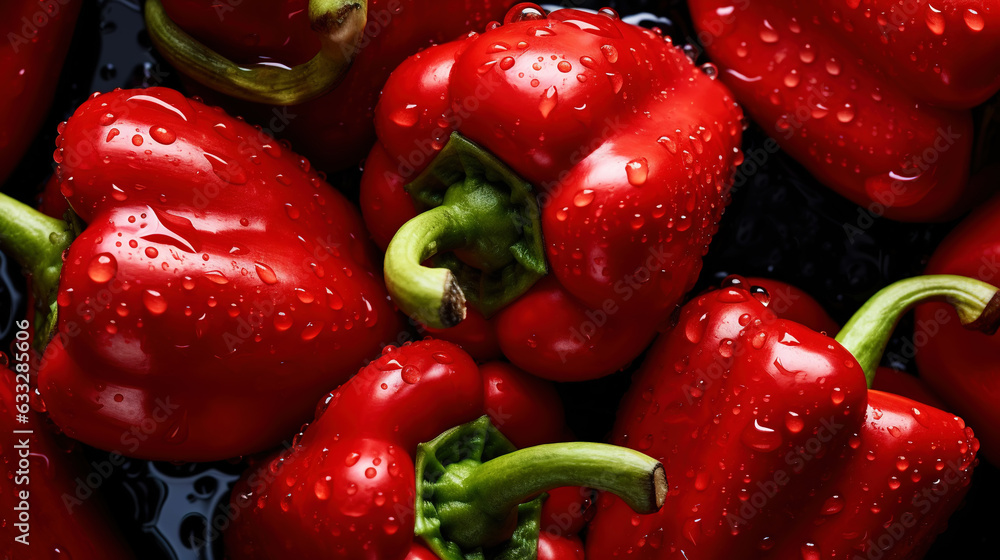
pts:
[478, 497]
[480, 229]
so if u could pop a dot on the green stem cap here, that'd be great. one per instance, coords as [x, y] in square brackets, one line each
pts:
[473, 488]
[481, 230]
[36, 242]
[866, 334]
[339, 23]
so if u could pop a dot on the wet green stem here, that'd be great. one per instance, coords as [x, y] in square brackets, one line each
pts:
[866, 334]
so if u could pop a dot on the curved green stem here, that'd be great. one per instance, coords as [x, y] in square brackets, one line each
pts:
[866, 334]
[429, 295]
[340, 24]
[482, 227]
[491, 491]
[36, 242]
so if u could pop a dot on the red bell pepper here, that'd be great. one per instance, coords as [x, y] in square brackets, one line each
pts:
[528, 411]
[962, 367]
[328, 59]
[793, 304]
[358, 482]
[39, 484]
[36, 36]
[872, 97]
[773, 443]
[565, 172]
[219, 286]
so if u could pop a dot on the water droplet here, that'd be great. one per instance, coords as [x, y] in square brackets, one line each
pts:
[266, 273]
[833, 504]
[549, 100]
[162, 135]
[524, 12]
[370, 472]
[610, 53]
[282, 322]
[107, 119]
[506, 63]
[610, 12]
[617, 81]
[410, 374]
[974, 20]
[137, 140]
[322, 488]
[442, 358]
[334, 299]
[792, 79]
[695, 328]
[407, 116]
[810, 552]
[151, 252]
[154, 302]
[807, 53]
[710, 70]
[833, 67]
[668, 143]
[637, 170]
[232, 173]
[102, 268]
[767, 33]
[846, 114]
[794, 422]
[564, 66]
[935, 20]
[311, 331]
[583, 198]
[760, 438]
[588, 62]
[837, 396]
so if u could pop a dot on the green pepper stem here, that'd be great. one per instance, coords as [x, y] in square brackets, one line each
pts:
[35, 241]
[495, 488]
[866, 334]
[429, 295]
[339, 23]
[476, 221]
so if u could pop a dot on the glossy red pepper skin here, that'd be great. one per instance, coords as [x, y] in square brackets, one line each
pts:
[352, 474]
[353, 479]
[629, 199]
[259, 30]
[796, 305]
[776, 448]
[962, 367]
[36, 35]
[59, 524]
[220, 286]
[872, 97]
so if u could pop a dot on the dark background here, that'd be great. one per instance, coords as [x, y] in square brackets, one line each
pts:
[781, 224]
